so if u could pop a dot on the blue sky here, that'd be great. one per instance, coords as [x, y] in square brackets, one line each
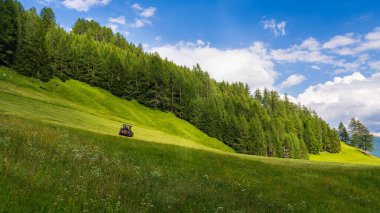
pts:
[324, 54]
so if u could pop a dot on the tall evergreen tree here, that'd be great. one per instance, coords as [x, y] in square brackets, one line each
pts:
[343, 134]
[10, 33]
[360, 136]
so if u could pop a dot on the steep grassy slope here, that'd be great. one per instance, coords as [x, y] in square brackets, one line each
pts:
[59, 152]
[78, 105]
[349, 154]
[47, 168]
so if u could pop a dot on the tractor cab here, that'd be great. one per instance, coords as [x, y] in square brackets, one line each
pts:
[126, 130]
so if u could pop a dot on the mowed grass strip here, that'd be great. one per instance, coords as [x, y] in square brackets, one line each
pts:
[50, 168]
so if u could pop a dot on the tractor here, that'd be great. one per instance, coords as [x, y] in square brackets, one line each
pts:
[126, 131]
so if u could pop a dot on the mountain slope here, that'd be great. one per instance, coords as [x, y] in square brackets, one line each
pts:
[348, 154]
[76, 104]
[49, 168]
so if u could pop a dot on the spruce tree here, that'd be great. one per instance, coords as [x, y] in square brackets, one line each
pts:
[360, 136]
[343, 134]
[10, 25]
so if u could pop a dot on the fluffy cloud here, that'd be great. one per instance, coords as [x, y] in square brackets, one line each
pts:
[350, 46]
[251, 65]
[310, 51]
[374, 35]
[144, 12]
[291, 81]
[83, 5]
[340, 41]
[276, 28]
[114, 27]
[346, 97]
[140, 23]
[375, 65]
[45, 2]
[310, 44]
[315, 67]
[118, 20]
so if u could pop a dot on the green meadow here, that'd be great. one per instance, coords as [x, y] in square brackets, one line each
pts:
[49, 168]
[76, 104]
[60, 152]
[348, 154]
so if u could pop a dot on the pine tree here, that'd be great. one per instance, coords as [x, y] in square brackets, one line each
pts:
[343, 134]
[27, 61]
[354, 132]
[360, 136]
[10, 25]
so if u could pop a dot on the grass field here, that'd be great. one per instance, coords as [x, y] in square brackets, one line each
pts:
[349, 154]
[76, 104]
[47, 168]
[59, 152]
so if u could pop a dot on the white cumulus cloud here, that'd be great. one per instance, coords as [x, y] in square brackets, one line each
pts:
[144, 12]
[292, 80]
[118, 20]
[84, 5]
[251, 65]
[114, 27]
[340, 41]
[140, 23]
[346, 97]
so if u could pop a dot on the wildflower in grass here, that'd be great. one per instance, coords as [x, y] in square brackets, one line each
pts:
[3, 128]
[219, 209]
[155, 174]
[96, 171]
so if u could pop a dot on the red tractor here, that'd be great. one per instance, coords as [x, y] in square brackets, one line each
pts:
[125, 130]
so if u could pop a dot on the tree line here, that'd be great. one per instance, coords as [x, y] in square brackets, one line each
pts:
[261, 124]
[358, 135]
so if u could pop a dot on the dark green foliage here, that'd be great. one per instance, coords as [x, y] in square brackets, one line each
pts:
[10, 27]
[360, 136]
[263, 124]
[343, 134]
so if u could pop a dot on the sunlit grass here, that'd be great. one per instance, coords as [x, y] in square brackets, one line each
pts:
[78, 105]
[75, 104]
[48, 168]
[59, 152]
[348, 154]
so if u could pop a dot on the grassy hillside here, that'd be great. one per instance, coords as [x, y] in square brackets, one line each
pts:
[76, 104]
[59, 152]
[348, 154]
[47, 168]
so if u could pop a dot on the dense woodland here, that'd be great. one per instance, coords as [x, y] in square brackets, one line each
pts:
[34, 45]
